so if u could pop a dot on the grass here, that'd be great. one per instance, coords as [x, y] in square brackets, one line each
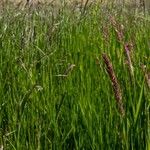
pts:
[46, 105]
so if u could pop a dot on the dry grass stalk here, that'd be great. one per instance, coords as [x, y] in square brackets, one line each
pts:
[128, 48]
[147, 75]
[67, 71]
[1, 147]
[115, 84]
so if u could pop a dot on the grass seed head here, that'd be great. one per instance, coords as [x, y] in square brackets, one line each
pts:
[115, 84]
[119, 29]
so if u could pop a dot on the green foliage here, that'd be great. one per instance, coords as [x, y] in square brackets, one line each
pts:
[43, 108]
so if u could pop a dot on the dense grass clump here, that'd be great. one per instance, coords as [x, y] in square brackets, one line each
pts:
[74, 79]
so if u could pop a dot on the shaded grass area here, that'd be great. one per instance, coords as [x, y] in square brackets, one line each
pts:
[45, 105]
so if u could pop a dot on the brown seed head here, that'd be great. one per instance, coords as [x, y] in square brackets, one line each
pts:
[115, 84]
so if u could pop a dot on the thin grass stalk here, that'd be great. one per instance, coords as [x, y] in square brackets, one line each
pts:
[146, 75]
[127, 48]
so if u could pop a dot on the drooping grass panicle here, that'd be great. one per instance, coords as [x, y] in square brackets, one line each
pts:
[115, 84]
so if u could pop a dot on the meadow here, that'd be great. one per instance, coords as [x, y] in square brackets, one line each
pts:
[74, 78]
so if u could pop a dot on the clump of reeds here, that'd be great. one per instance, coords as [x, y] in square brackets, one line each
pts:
[115, 84]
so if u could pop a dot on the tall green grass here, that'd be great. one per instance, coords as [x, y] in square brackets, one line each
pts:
[43, 109]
